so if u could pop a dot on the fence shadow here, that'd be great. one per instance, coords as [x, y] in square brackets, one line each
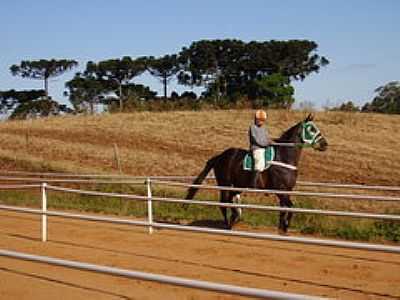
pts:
[217, 224]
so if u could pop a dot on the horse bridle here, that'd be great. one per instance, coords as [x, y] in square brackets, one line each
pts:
[310, 134]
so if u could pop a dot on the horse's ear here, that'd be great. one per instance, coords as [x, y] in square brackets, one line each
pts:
[310, 117]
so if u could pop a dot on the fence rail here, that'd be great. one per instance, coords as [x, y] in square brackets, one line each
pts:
[279, 192]
[349, 186]
[196, 229]
[150, 224]
[18, 186]
[173, 280]
[113, 177]
[210, 187]
[29, 179]
[231, 205]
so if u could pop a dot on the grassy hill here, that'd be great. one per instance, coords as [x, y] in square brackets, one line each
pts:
[364, 148]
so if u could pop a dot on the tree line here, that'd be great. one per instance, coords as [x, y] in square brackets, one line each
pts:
[229, 70]
[386, 101]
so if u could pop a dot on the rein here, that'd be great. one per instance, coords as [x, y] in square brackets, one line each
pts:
[299, 145]
[310, 135]
[281, 164]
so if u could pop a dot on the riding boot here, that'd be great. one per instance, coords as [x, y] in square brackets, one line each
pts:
[253, 181]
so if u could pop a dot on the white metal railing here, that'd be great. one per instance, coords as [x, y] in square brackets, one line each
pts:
[111, 176]
[210, 187]
[67, 180]
[18, 186]
[279, 192]
[44, 211]
[173, 280]
[129, 177]
[196, 229]
[149, 198]
[149, 205]
[349, 186]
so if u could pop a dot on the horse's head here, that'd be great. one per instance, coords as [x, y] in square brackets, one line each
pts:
[311, 135]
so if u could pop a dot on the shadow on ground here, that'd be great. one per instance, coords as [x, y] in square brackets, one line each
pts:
[217, 224]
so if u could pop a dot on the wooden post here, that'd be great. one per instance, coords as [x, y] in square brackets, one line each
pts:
[27, 141]
[117, 159]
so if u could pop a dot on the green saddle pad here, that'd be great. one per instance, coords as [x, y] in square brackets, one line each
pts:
[269, 156]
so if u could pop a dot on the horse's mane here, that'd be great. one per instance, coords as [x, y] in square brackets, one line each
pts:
[288, 134]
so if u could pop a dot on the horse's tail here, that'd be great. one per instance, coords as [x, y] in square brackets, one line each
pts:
[199, 179]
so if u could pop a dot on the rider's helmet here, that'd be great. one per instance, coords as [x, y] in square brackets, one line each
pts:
[261, 115]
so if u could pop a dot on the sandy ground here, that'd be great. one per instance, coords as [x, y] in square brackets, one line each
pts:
[322, 271]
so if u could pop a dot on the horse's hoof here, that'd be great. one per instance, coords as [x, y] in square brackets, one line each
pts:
[230, 226]
[282, 232]
[233, 224]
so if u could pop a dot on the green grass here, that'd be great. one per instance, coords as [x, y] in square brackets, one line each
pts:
[336, 227]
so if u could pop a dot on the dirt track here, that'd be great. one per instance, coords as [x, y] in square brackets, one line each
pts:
[338, 273]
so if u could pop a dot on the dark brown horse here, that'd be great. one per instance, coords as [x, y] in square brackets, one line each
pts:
[228, 169]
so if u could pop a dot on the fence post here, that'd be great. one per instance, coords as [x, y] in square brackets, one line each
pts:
[149, 205]
[44, 209]
[117, 159]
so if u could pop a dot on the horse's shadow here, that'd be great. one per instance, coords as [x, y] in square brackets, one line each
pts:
[216, 224]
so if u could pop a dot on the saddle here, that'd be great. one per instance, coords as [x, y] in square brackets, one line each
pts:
[269, 156]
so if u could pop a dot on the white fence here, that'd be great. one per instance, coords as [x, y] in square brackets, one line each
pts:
[150, 198]
[125, 178]
[190, 283]
[150, 224]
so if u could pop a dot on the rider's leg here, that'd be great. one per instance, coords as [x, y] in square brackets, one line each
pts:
[258, 165]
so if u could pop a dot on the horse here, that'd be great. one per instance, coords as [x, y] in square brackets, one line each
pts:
[281, 175]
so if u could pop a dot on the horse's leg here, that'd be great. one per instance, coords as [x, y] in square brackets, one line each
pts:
[284, 217]
[236, 199]
[289, 214]
[234, 211]
[224, 199]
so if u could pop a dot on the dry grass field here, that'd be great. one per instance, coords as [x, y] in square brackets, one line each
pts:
[364, 148]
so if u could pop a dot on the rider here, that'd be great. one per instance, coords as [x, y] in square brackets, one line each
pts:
[259, 140]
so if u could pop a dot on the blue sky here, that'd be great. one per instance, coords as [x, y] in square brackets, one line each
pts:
[360, 38]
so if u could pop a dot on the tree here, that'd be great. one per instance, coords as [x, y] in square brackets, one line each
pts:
[138, 91]
[85, 91]
[212, 64]
[347, 106]
[163, 68]
[42, 69]
[119, 71]
[10, 99]
[135, 96]
[188, 95]
[273, 91]
[27, 104]
[43, 107]
[387, 101]
[294, 58]
[231, 67]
